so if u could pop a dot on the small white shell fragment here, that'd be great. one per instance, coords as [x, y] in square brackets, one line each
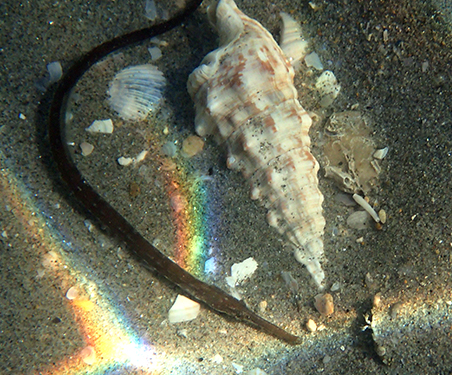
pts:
[87, 148]
[241, 271]
[381, 153]
[336, 286]
[313, 60]
[150, 10]
[256, 371]
[262, 306]
[327, 87]
[136, 90]
[382, 216]
[359, 220]
[55, 70]
[311, 326]
[183, 310]
[88, 355]
[141, 156]
[217, 358]
[292, 43]
[22, 116]
[101, 126]
[362, 202]
[72, 293]
[238, 368]
[124, 161]
[155, 53]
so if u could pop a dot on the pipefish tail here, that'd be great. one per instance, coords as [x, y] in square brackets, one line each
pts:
[209, 295]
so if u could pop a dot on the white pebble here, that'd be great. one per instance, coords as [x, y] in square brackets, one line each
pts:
[22, 116]
[183, 310]
[124, 161]
[101, 126]
[87, 148]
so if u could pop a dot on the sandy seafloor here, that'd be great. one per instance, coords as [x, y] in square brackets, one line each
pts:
[402, 85]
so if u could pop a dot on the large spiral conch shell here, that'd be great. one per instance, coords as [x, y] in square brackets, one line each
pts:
[244, 95]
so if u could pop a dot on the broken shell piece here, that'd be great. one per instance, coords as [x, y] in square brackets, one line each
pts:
[87, 148]
[311, 326]
[382, 216]
[328, 88]
[359, 220]
[88, 355]
[72, 293]
[292, 43]
[362, 202]
[241, 271]
[55, 71]
[136, 90]
[183, 310]
[324, 304]
[313, 60]
[381, 153]
[101, 126]
[255, 371]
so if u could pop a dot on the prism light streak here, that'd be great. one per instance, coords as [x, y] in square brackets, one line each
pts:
[111, 343]
[191, 203]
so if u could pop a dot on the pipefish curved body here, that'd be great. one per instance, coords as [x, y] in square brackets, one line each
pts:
[209, 295]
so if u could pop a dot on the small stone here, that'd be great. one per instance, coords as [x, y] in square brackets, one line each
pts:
[134, 190]
[377, 300]
[382, 216]
[324, 304]
[192, 146]
[395, 310]
[124, 161]
[311, 326]
[262, 306]
[87, 148]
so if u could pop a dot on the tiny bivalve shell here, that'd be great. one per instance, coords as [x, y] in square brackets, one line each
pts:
[136, 90]
[183, 310]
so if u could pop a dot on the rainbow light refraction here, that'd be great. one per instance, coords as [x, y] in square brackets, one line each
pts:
[111, 342]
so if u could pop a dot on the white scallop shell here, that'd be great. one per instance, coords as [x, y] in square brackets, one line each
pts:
[244, 95]
[136, 90]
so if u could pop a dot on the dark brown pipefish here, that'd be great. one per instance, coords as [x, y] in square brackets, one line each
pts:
[209, 295]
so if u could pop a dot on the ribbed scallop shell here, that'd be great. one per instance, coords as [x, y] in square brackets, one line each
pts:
[136, 90]
[244, 95]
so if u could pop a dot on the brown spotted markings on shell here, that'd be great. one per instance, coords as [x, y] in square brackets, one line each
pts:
[244, 95]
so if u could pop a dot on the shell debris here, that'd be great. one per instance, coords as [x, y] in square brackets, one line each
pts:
[241, 271]
[101, 126]
[362, 202]
[183, 310]
[136, 91]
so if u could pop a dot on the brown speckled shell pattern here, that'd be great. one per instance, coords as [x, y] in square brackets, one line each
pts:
[244, 95]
